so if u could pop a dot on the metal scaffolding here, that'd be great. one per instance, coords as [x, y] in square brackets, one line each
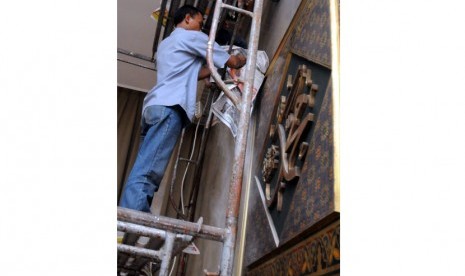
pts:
[176, 234]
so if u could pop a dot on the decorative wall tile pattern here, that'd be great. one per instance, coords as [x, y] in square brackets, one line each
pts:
[312, 201]
[317, 255]
[312, 35]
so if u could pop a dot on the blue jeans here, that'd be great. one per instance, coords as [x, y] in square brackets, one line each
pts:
[160, 129]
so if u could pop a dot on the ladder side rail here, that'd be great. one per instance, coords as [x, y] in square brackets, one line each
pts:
[227, 259]
[211, 66]
[244, 106]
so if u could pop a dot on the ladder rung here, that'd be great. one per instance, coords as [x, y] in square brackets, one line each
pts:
[249, 13]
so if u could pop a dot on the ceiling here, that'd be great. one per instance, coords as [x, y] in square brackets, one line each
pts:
[136, 30]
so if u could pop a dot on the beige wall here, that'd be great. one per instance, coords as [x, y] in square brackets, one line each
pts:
[136, 30]
[275, 21]
[213, 196]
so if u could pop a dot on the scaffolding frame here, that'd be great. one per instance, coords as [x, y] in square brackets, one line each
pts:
[178, 233]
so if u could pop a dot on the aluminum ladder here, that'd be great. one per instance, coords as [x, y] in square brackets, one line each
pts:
[177, 234]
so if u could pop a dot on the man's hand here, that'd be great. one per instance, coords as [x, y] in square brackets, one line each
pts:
[236, 61]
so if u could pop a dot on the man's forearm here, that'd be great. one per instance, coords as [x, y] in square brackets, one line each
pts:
[204, 72]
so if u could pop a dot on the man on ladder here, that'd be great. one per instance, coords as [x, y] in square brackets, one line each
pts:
[170, 105]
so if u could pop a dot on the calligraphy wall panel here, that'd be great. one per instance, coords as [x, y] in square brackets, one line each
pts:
[294, 151]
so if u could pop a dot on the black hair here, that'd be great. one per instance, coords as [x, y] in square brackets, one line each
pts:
[181, 13]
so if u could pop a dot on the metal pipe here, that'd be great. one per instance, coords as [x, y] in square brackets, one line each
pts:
[141, 230]
[171, 225]
[166, 254]
[174, 5]
[149, 232]
[158, 29]
[211, 66]
[138, 251]
[240, 146]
